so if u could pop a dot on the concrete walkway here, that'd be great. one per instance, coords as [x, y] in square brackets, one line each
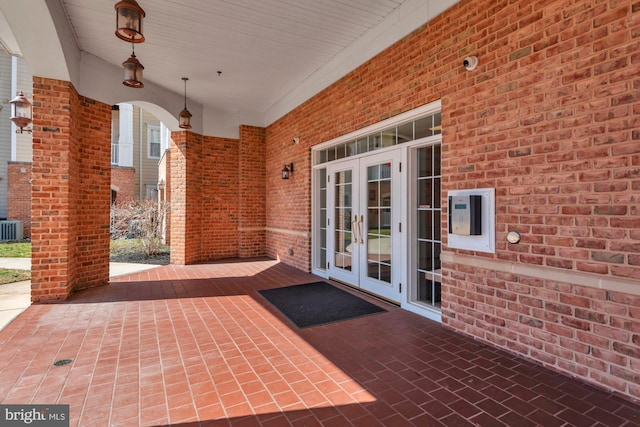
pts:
[16, 297]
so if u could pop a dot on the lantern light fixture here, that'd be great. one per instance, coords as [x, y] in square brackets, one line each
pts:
[185, 116]
[129, 17]
[133, 71]
[21, 112]
[287, 170]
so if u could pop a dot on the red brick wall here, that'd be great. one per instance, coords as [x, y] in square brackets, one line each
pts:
[19, 194]
[123, 179]
[186, 160]
[204, 198]
[217, 192]
[92, 193]
[70, 191]
[251, 215]
[50, 202]
[288, 208]
[219, 198]
[582, 331]
[550, 120]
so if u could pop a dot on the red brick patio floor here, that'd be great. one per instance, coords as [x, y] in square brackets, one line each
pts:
[197, 345]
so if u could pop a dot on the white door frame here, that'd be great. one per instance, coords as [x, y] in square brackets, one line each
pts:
[348, 260]
[402, 274]
[346, 268]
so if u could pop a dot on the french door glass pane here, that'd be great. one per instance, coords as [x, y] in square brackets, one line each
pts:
[343, 220]
[379, 222]
[428, 217]
[321, 260]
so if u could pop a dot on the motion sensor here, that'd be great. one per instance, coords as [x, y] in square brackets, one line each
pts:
[470, 63]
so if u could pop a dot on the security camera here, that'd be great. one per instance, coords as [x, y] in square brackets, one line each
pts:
[470, 63]
[296, 140]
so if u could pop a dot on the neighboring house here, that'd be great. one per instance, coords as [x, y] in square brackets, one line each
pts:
[138, 138]
[15, 148]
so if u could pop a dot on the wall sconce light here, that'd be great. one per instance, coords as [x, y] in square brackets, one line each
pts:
[133, 71]
[287, 170]
[185, 116]
[21, 112]
[129, 21]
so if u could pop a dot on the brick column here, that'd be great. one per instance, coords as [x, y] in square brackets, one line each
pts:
[252, 209]
[219, 198]
[205, 195]
[186, 224]
[70, 191]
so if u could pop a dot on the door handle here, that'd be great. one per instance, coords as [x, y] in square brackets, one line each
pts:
[360, 229]
[354, 228]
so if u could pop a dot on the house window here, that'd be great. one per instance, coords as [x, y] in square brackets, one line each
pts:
[153, 141]
[151, 192]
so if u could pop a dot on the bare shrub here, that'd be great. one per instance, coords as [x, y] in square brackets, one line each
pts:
[142, 220]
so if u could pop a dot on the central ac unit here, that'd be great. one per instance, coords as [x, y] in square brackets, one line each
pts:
[11, 230]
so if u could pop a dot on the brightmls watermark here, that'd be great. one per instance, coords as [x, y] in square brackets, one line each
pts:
[34, 415]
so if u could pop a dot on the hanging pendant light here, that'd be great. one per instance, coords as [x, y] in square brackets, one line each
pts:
[133, 71]
[129, 21]
[185, 116]
[21, 112]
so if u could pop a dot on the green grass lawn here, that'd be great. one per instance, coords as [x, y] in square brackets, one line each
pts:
[122, 250]
[11, 276]
[15, 249]
[117, 247]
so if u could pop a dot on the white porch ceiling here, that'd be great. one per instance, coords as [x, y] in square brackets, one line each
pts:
[273, 54]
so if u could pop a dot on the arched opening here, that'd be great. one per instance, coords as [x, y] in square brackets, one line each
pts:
[139, 208]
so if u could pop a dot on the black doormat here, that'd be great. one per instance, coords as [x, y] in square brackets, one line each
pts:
[317, 303]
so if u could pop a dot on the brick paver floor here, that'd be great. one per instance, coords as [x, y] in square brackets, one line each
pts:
[197, 345]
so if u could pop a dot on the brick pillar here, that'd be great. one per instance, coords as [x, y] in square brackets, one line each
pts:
[252, 210]
[70, 192]
[186, 195]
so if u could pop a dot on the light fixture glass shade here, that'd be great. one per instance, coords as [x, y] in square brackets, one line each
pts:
[129, 21]
[133, 72]
[185, 119]
[21, 111]
[285, 172]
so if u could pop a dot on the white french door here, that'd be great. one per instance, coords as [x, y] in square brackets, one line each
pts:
[363, 223]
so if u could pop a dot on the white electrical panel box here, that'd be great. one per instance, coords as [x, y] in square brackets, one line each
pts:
[472, 219]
